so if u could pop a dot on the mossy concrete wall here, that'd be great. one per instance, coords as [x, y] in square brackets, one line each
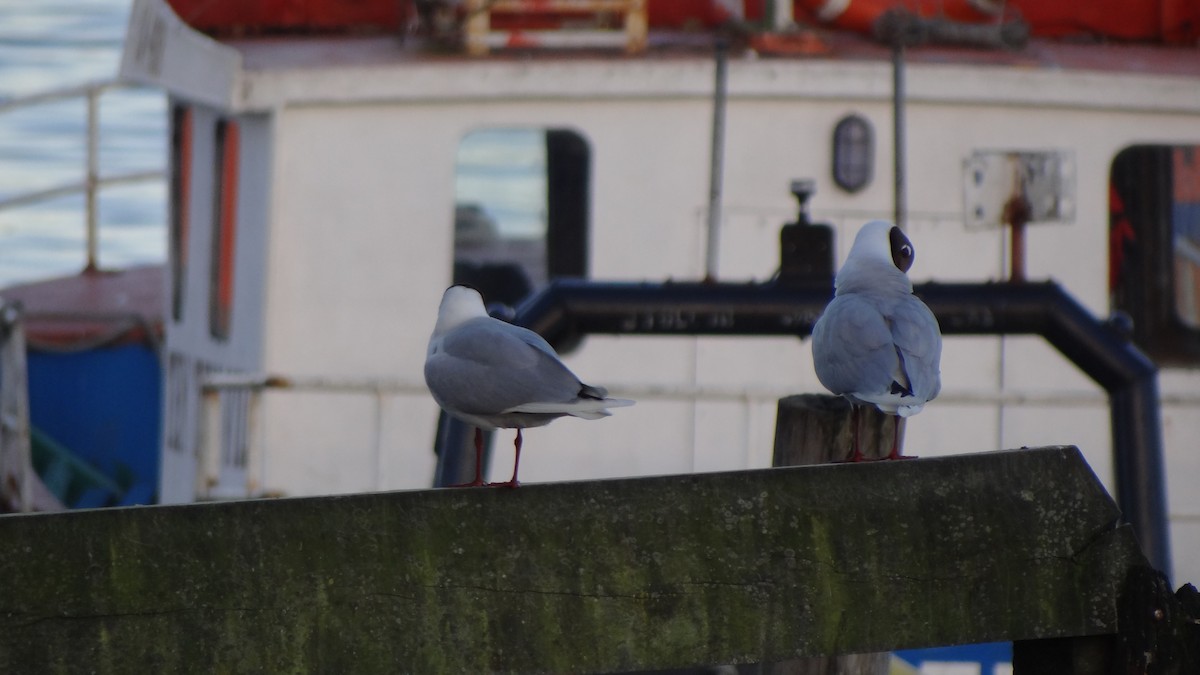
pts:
[575, 577]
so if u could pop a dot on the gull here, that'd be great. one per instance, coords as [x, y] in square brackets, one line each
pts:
[491, 374]
[877, 343]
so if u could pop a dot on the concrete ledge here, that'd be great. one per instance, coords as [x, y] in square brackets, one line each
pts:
[644, 573]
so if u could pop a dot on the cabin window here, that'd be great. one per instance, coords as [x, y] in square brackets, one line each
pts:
[180, 187]
[522, 210]
[853, 153]
[1154, 248]
[224, 229]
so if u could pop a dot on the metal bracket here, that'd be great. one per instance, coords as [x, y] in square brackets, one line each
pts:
[1044, 179]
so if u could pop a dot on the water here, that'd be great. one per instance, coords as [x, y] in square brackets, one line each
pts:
[52, 44]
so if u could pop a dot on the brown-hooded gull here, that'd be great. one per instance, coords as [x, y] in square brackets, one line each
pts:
[876, 342]
[492, 374]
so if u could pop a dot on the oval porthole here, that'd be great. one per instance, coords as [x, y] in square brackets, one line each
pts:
[853, 153]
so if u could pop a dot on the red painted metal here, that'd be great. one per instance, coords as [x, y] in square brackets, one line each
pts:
[860, 15]
[684, 14]
[1120, 235]
[1168, 21]
[251, 17]
[223, 263]
[1162, 21]
[1165, 21]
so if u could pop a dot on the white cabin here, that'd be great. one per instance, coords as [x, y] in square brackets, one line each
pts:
[314, 232]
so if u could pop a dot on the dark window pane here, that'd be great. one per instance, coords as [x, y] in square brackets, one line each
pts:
[522, 210]
[1154, 248]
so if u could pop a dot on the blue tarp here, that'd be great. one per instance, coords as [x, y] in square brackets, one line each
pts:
[993, 658]
[104, 405]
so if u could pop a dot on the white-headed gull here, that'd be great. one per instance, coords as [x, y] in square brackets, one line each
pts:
[492, 374]
[876, 342]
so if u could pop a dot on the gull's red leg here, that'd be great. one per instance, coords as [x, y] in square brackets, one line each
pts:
[516, 460]
[512, 482]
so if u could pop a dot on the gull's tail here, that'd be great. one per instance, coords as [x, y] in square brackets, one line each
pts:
[592, 404]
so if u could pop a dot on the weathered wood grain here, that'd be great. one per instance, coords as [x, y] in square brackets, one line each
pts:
[574, 577]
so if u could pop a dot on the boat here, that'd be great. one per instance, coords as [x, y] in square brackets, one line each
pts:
[319, 207]
[93, 381]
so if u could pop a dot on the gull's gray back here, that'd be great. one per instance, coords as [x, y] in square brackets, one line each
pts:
[861, 345]
[487, 366]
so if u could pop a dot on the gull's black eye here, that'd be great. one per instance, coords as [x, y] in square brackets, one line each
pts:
[902, 250]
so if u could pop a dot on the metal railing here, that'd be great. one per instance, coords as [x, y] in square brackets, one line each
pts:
[232, 445]
[232, 453]
[92, 180]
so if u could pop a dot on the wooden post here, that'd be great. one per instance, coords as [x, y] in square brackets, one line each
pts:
[818, 429]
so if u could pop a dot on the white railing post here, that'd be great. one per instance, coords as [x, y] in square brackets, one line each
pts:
[92, 177]
[255, 450]
[208, 464]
